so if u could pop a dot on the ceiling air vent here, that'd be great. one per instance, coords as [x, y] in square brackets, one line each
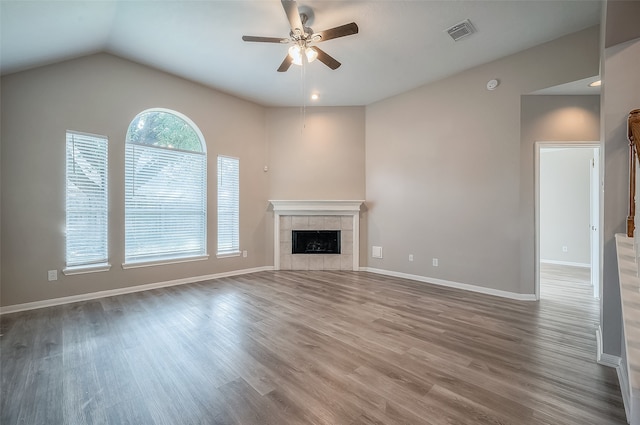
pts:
[461, 30]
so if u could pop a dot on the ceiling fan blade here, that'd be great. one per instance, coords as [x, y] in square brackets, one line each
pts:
[326, 59]
[265, 39]
[341, 31]
[293, 15]
[286, 63]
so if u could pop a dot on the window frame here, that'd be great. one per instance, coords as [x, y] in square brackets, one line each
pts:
[234, 251]
[147, 260]
[100, 152]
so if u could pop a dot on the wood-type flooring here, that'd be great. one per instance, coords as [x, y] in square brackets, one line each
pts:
[569, 285]
[335, 348]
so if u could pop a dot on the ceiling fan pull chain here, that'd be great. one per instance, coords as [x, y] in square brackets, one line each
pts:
[303, 76]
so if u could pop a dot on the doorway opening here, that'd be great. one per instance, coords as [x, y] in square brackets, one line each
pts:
[567, 225]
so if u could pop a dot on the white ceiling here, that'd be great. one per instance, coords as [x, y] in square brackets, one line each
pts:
[401, 44]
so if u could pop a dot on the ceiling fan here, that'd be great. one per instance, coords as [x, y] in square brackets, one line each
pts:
[304, 40]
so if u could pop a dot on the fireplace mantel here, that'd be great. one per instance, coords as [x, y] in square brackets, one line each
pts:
[316, 207]
[349, 208]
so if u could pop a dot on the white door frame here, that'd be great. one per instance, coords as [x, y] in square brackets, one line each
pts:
[594, 221]
[551, 144]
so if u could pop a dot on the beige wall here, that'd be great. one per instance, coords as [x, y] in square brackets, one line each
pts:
[548, 118]
[0, 193]
[102, 94]
[622, 21]
[620, 95]
[443, 168]
[316, 155]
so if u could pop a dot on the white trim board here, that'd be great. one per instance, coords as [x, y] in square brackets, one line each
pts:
[624, 383]
[615, 362]
[128, 290]
[565, 263]
[456, 285]
[603, 358]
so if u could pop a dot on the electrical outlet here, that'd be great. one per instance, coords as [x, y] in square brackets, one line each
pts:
[52, 275]
[244, 254]
[434, 261]
[410, 257]
[565, 249]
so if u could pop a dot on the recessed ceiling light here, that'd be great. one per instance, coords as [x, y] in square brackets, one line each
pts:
[314, 96]
[595, 84]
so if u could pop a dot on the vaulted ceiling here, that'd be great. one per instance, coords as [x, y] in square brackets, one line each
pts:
[400, 45]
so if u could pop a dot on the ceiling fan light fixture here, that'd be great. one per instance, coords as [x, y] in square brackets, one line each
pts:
[302, 38]
[311, 54]
[295, 52]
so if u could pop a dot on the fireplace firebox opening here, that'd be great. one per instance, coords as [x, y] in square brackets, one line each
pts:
[315, 241]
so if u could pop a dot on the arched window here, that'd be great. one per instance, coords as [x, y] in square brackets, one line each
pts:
[165, 188]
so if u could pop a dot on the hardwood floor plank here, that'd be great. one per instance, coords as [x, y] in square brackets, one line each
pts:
[319, 348]
[30, 359]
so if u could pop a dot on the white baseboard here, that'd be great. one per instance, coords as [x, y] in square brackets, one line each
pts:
[624, 390]
[566, 263]
[128, 290]
[603, 358]
[456, 285]
[621, 370]
[609, 360]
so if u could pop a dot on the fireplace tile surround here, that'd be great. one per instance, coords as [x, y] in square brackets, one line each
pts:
[316, 215]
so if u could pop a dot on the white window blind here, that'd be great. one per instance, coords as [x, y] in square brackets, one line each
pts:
[228, 205]
[86, 200]
[165, 203]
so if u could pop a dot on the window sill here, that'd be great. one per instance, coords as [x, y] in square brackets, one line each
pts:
[94, 268]
[126, 266]
[229, 254]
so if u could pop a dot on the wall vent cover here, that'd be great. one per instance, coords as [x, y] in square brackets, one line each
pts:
[461, 30]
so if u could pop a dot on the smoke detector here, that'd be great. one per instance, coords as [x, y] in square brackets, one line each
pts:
[461, 30]
[492, 84]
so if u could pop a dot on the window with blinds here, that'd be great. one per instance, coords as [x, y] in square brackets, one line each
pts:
[87, 203]
[165, 189]
[228, 205]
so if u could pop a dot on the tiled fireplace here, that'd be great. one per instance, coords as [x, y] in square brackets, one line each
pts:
[316, 215]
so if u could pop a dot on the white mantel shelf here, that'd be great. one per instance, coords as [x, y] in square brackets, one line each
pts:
[328, 207]
[317, 207]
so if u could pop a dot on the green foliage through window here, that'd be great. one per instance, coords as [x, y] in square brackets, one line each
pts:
[164, 129]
